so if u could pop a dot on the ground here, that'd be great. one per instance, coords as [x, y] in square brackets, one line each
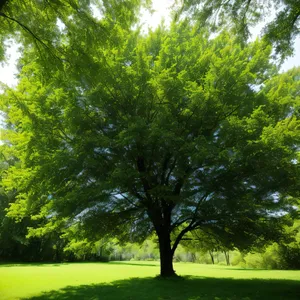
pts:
[136, 281]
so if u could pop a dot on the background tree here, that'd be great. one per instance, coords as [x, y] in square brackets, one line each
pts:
[209, 242]
[289, 253]
[165, 132]
[14, 246]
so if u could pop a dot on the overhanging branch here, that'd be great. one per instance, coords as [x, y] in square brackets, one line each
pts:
[24, 27]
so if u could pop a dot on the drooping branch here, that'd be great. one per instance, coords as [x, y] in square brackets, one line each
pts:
[24, 27]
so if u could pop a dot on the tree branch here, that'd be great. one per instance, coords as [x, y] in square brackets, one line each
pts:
[24, 27]
[178, 223]
[179, 238]
[165, 167]
[142, 170]
[170, 171]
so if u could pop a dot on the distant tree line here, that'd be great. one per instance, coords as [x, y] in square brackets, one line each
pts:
[197, 248]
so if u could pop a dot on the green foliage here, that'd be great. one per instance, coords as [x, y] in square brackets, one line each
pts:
[240, 15]
[165, 132]
[20, 20]
[275, 256]
[290, 253]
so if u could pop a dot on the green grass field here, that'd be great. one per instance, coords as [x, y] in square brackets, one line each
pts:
[135, 281]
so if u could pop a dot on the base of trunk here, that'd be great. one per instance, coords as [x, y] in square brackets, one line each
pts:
[173, 276]
[166, 255]
[170, 273]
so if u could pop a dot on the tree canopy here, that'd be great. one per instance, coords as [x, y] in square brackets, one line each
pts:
[24, 21]
[169, 131]
[280, 31]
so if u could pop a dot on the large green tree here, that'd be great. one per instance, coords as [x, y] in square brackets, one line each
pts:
[167, 132]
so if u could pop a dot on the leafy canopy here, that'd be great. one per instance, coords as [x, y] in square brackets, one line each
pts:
[280, 31]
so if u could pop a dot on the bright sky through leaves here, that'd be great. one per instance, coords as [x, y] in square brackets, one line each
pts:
[8, 70]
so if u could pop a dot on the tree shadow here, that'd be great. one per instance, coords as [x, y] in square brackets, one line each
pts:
[44, 264]
[187, 288]
[31, 264]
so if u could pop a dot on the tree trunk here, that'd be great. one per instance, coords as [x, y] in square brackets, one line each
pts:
[212, 257]
[193, 257]
[166, 255]
[227, 257]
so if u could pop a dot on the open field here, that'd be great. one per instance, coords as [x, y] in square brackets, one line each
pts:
[134, 281]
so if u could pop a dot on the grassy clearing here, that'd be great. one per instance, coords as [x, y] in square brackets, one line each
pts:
[134, 281]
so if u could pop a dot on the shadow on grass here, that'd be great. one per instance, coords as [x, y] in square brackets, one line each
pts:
[43, 264]
[187, 288]
[32, 264]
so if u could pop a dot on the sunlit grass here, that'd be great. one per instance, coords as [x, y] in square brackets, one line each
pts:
[115, 281]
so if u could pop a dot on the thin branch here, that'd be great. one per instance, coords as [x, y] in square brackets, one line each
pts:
[178, 223]
[167, 159]
[129, 201]
[198, 206]
[170, 171]
[179, 238]
[24, 27]
[243, 19]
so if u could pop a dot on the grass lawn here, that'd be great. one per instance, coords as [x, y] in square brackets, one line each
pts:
[134, 281]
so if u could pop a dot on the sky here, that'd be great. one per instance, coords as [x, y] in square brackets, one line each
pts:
[8, 71]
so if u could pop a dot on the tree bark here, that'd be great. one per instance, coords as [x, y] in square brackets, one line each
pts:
[166, 254]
